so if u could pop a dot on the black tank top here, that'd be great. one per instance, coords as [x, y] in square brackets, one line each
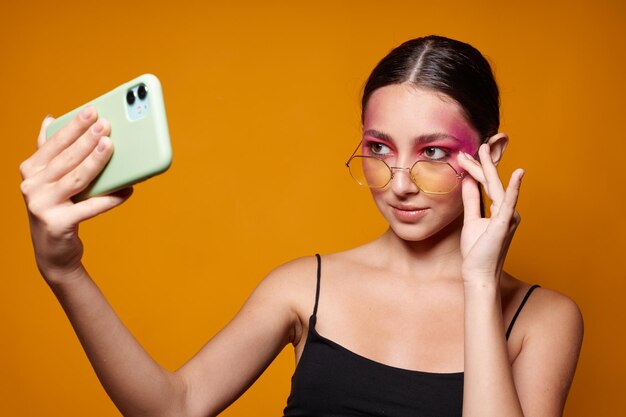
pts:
[332, 381]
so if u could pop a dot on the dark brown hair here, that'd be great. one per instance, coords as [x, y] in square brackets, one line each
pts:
[454, 68]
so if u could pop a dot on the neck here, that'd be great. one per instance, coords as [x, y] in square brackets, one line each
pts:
[436, 257]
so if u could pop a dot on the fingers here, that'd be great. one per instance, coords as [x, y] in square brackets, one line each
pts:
[59, 142]
[42, 196]
[67, 163]
[472, 166]
[77, 179]
[95, 205]
[471, 199]
[29, 167]
[484, 172]
[507, 208]
[70, 157]
[493, 185]
[506, 219]
[504, 202]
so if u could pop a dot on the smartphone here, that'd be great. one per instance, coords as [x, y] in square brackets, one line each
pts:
[139, 132]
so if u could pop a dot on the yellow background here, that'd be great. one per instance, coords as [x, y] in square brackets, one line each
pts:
[263, 106]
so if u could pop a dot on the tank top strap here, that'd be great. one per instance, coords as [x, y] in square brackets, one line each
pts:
[519, 309]
[317, 290]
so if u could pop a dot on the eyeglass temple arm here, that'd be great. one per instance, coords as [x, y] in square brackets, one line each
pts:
[353, 153]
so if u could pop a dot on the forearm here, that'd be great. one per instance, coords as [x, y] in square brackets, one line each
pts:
[489, 388]
[135, 382]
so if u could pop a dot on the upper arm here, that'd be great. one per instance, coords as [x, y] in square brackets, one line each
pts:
[234, 358]
[544, 369]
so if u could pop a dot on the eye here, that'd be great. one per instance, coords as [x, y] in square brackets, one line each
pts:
[377, 149]
[435, 153]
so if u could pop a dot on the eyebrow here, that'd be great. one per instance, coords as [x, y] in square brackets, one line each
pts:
[426, 138]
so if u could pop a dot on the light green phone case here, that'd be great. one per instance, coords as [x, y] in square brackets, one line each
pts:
[139, 134]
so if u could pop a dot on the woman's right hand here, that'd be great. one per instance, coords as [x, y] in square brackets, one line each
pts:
[61, 168]
[139, 386]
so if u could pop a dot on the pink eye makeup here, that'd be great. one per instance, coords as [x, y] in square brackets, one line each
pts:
[468, 146]
[377, 148]
[438, 149]
[435, 153]
[437, 146]
[446, 148]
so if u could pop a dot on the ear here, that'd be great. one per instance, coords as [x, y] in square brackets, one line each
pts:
[497, 145]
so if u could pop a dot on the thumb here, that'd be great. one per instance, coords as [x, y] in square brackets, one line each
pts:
[94, 206]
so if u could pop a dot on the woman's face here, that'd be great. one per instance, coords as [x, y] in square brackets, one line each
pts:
[402, 124]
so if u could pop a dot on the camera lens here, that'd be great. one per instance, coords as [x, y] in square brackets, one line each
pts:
[130, 97]
[142, 92]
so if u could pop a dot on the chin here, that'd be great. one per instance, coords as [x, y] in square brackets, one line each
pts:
[421, 217]
[429, 227]
[413, 233]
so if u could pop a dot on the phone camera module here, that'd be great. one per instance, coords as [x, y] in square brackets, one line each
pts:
[130, 97]
[137, 101]
[142, 92]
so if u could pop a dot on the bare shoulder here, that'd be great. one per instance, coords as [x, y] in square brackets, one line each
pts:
[546, 310]
[293, 276]
[555, 314]
[549, 322]
[292, 285]
[297, 279]
[544, 348]
[547, 337]
[364, 256]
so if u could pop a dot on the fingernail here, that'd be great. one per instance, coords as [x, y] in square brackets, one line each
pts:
[97, 128]
[468, 156]
[102, 144]
[86, 113]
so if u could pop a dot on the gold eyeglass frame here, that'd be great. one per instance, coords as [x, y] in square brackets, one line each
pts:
[459, 176]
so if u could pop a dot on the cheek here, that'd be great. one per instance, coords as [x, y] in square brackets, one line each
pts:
[449, 205]
[377, 193]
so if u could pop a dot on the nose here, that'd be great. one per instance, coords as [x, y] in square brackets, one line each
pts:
[401, 181]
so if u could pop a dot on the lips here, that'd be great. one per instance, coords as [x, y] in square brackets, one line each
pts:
[407, 208]
[408, 214]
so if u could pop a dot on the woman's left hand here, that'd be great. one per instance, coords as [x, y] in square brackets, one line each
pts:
[485, 241]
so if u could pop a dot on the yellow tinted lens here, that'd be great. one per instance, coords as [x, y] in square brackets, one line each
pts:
[434, 177]
[370, 172]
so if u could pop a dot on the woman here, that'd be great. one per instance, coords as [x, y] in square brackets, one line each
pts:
[418, 322]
